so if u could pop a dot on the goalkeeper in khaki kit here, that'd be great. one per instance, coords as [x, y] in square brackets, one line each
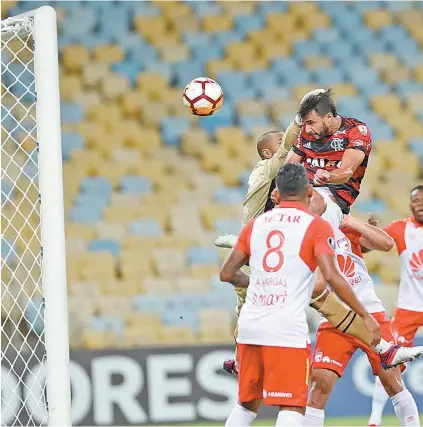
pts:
[273, 148]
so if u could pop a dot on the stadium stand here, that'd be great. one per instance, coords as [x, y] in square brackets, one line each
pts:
[148, 186]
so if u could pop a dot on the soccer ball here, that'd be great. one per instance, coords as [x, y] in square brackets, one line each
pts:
[203, 96]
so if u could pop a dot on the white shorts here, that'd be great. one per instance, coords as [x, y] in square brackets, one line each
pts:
[333, 213]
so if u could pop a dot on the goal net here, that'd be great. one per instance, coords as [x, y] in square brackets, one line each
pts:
[34, 342]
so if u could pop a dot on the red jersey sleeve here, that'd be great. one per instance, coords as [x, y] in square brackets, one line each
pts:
[319, 239]
[243, 242]
[396, 230]
[359, 139]
[354, 237]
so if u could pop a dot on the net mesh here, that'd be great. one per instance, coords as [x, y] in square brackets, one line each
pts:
[22, 338]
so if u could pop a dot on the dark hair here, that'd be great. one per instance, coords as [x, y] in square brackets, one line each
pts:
[417, 188]
[292, 180]
[261, 139]
[322, 103]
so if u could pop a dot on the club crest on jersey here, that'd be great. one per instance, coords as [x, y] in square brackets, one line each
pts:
[337, 144]
[362, 129]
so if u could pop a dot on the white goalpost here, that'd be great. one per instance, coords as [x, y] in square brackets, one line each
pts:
[35, 384]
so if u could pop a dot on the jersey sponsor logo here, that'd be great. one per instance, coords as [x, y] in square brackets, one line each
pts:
[416, 264]
[323, 163]
[320, 358]
[337, 144]
[363, 129]
[268, 299]
[276, 394]
[358, 143]
[347, 267]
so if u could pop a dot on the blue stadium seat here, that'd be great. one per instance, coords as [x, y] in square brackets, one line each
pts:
[71, 141]
[211, 123]
[232, 79]
[141, 8]
[326, 35]
[302, 49]
[236, 94]
[366, 5]
[129, 69]
[261, 79]
[231, 226]
[185, 71]
[299, 77]
[136, 185]
[96, 185]
[228, 195]
[132, 41]
[328, 76]
[405, 88]
[248, 123]
[144, 55]
[82, 215]
[244, 24]
[71, 112]
[102, 245]
[198, 255]
[172, 128]
[185, 302]
[90, 200]
[226, 37]
[207, 52]
[202, 9]
[397, 6]
[166, 69]
[272, 93]
[268, 7]
[150, 303]
[181, 317]
[340, 51]
[145, 227]
[285, 65]
[194, 39]
[113, 324]
[98, 323]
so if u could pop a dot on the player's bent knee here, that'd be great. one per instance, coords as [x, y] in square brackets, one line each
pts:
[322, 383]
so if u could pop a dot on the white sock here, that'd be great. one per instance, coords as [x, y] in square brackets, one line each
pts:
[382, 346]
[289, 418]
[240, 416]
[380, 397]
[314, 417]
[405, 408]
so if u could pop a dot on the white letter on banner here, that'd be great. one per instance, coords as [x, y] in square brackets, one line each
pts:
[161, 387]
[223, 385]
[81, 392]
[124, 395]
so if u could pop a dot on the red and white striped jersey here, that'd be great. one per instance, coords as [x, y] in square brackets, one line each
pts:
[282, 245]
[408, 236]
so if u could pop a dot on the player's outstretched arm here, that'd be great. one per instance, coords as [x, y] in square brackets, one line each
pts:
[230, 269]
[278, 159]
[372, 238]
[343, 290]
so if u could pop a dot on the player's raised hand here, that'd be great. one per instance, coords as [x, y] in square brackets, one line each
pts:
[373, 327]
[321, 177]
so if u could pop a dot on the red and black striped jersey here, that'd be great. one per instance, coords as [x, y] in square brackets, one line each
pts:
[327, 153]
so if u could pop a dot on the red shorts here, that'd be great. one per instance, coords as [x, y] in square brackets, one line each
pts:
[334, 349]
[278, 375]
[405, 324]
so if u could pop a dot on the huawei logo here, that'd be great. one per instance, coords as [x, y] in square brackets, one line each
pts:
[346, 264]
[416, 261]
